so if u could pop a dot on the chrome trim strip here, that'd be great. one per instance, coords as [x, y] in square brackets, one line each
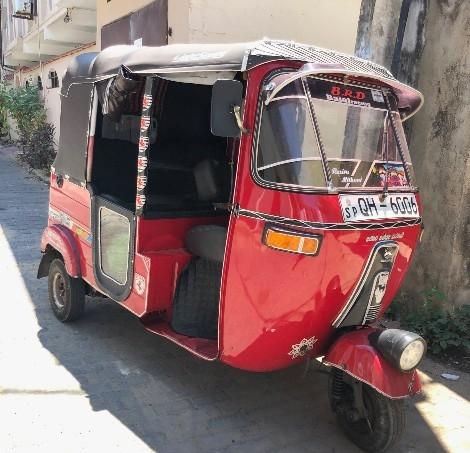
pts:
[355, 376]
[327, 226]
[361, 282]
[373, 310]
[288, 161]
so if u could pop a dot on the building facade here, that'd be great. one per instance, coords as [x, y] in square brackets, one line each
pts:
[331, 24]
[37, 49]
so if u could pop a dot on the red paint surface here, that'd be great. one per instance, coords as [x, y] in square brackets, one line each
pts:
[270, 300]
[353, 353]
[205, 349]
[61, 239]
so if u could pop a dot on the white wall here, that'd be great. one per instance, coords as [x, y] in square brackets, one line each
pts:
[51, 96]
[324, 23]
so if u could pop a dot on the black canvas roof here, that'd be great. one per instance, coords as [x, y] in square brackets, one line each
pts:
[180, 58]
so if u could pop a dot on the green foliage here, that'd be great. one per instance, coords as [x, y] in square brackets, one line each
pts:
[446, 332]
[36, 135]
[4, 129]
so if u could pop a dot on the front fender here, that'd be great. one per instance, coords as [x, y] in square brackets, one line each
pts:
[353, 354]
[61, 239]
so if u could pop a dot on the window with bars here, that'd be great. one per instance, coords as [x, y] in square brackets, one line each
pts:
[53, 79]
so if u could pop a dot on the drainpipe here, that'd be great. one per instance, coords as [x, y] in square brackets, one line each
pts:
[405, 9]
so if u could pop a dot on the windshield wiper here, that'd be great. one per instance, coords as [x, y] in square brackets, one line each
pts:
[397, 138]
[326, 166]
[288, 161]
[385, 151]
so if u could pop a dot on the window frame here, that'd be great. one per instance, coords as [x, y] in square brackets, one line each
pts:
[53, 81]
[328, 188]
[100, 247]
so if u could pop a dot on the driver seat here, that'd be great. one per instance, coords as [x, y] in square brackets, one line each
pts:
[208, 241]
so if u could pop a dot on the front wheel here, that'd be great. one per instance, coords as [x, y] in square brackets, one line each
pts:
[66, 294]
[371, 420]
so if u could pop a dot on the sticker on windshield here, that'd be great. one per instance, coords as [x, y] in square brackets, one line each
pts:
[343, 93]
[348, 172]
[377, 96]
[343, 172]
[393, 171]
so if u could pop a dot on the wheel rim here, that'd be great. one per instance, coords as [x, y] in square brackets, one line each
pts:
[58, 291]
[367, 427]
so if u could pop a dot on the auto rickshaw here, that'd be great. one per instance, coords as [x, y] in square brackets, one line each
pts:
[254, 203]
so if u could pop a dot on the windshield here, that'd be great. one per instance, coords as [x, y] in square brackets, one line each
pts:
[343, 131]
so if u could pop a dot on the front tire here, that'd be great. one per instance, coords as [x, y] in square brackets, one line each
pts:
[66, 294]
[385, 417]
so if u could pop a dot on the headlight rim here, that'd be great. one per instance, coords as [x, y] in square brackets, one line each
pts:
[392, 343]
[417, 340]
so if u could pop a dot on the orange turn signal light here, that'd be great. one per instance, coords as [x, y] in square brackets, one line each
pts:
[291, 242]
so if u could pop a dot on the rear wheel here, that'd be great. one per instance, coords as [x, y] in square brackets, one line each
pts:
[374, 423]
[66, 294]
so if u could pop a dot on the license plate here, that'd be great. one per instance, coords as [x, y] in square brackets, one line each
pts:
[357, 208]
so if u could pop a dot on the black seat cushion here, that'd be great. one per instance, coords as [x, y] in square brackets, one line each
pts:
[207, 241]
[210, 177]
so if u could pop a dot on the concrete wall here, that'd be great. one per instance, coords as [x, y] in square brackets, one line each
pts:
[441, 145]
[331, 24]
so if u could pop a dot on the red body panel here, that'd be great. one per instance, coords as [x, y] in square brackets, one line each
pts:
[353, 354]
[201, 347]
[272, 300]
[160, 244]
[159, 257]
[61, 239]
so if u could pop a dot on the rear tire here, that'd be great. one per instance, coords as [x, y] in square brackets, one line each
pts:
[196, 303]
[386, 416]
[66, 294]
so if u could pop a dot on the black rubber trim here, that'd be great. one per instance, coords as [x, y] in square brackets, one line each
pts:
[357, 307]
[105, 284]
[184, 214]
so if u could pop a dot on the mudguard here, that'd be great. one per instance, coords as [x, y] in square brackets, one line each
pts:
[59, 238]
[353, 354]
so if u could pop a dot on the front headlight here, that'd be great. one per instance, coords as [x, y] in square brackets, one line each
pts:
[412, 355]
[403, 349]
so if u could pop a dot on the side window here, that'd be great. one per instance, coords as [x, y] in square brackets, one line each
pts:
[70, 161]
[114, 236]
[53, 79]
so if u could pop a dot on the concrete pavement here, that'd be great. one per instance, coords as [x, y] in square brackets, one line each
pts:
[105, 384]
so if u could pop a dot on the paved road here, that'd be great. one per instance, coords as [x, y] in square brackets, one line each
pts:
[105, 384]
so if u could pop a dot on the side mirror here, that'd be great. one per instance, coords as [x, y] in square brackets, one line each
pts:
[226, 95]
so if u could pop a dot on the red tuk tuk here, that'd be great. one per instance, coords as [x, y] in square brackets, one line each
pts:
[254, 203]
